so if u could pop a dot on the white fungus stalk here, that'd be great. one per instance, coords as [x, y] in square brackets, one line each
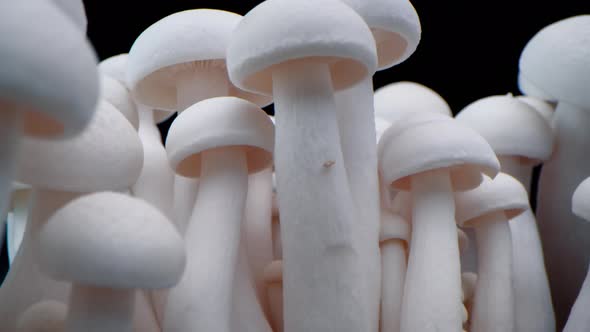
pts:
[532, 295]
[393, 258]
[258, 229]
[185, 195]
[212, 240]
[432, 304]
[322, 278]
[493, 305]
[356, 121]
[112, 308]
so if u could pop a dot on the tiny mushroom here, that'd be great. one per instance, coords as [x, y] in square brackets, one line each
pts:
[43, 316]
[301, 52]
[433, 156]
[125, 244]
[488, 208]
[49, 94]
[221, 141]
[578, 318]
[522, 139]
[396, 29]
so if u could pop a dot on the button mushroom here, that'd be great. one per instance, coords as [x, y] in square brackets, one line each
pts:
[124, 244]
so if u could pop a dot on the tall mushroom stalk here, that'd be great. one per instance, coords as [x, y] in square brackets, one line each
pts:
[522, 138]
[432, 168]
[323, 276]
[396, 30]
[220, 141]
[555, 61]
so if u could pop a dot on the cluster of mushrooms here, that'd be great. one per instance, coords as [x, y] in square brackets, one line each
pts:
[350, 210]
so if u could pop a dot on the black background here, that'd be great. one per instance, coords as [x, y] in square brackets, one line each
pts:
[469, 49]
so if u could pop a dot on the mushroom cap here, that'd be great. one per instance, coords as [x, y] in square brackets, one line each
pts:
[58, 88]
[393, 227]
[117, 94]
[529, 89]
[43, 316]
[108, 155]
[502, 194]
[184, 42]
[380, 127]
[219, 123]
[463, 240]
[395, 26]
[273, 273]
[75, 10]
[423, 142]
[581, 200]
[542, 107]
[278, 31]
[557, 60]
[113, 240]
[511, 127]
[468, 282]
[395, 100]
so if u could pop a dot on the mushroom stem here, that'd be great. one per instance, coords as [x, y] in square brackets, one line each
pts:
[493, 305]
[356, 121]
[562, 233]
[185, 196]
[532, 295]
[11, 125]
[202, 300]
[18, 222]
[323, 274]
[94, 309]
[24, 285]
[154, 184]
[579, 320]
[432, 293]
[393, 258]
[247, 314]
[258, 229]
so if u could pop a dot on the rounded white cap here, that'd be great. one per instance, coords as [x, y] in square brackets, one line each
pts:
[380, 127]
[278, 31]
[581, 200]
[395, 100]
[395, 26]
[111, 240]
[115, 67]
[502, 194]
[217, 123]
[525, 86]
[557, 60]
[511, 127]
[423, 142]
[108, 155]
[54, 83]
[117, 94]
[43, 316]
[184, 42]
[544, 108]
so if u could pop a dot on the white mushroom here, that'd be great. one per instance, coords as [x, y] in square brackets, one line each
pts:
[123, 245]
[556, 61]
[488, 208]
[521, 138]
[220, 141]
[433, 156]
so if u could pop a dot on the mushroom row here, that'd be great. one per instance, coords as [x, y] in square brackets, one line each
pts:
[350, 210]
